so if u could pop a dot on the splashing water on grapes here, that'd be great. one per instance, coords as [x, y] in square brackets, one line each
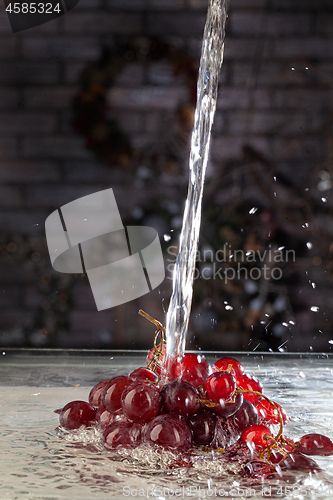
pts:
[210, 64]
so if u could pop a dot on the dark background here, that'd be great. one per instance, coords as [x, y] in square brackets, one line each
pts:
[103, 97]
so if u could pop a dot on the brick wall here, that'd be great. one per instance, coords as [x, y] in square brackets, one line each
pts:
[275, 94]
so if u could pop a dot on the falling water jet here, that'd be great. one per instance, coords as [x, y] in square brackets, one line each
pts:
[207, 87]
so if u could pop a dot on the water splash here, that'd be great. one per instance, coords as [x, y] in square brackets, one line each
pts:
[210, 64]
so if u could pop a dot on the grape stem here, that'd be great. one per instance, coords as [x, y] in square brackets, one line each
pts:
[293, 445]
[152, 320]
[157, 356]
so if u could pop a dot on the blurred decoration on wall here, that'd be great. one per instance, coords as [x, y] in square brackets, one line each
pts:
[103, 135]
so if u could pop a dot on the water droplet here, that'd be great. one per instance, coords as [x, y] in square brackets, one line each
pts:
[309, 245]
[292, 69]
[313, 285]
[281, 347]
[274, 178]
[330, 342]
[167, 237]
[324, 200]
[253, 210]
[285, 324]
[305, 225]
[281, 248]
[314, 309]
[291, 322]
[228, 308]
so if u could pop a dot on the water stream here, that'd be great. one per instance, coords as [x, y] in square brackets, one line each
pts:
[207, 87]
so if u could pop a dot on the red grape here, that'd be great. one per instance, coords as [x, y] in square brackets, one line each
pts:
[315, 444]
[258, 435]
[169, 431]
[250, 384]
[276, 456]
[180, 397]
[247, 415]
[259, 470]
[192, 368]
[223, 364]
[104, 417]
[202, 425]
[227, 409]
[297, 461]
[143, 374]
[220, 385]
[75, 414]
[122, 434]
[95, 394]
[267, 412]
[226, 433]
[288, 447]
[158, 357]
[141, 401]
[111, 395]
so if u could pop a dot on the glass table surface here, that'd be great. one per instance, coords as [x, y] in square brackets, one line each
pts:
[40, 462]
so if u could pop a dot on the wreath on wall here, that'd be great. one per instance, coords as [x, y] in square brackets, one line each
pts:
[103, 135]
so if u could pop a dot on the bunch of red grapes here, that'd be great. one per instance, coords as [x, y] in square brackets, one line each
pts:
[195, 406]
